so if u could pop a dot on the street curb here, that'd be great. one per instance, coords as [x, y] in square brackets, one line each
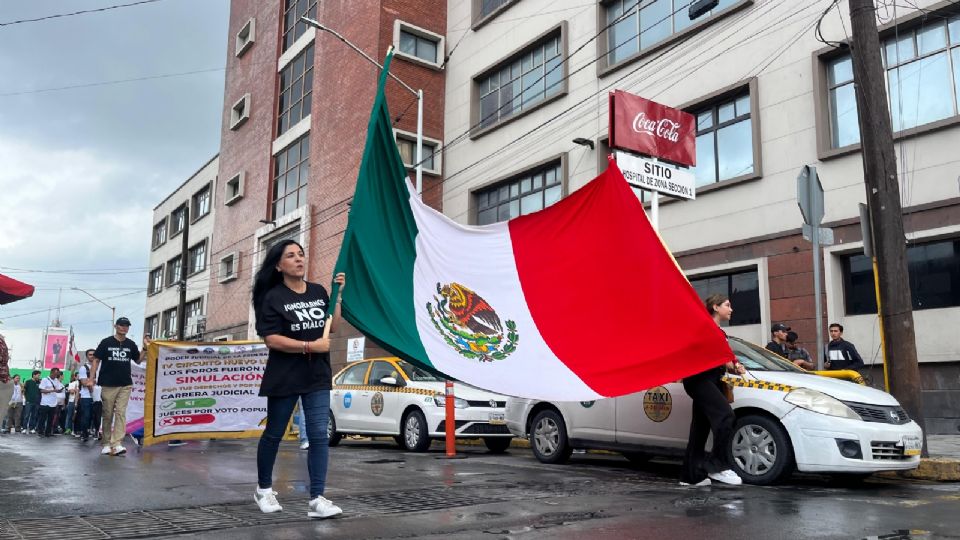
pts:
[933, 469]
[515, 443]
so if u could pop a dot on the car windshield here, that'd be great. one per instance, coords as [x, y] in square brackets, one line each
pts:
[417, 374]
[758, 359]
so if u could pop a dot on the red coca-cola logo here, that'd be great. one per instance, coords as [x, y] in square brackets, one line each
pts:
[645, 127]
[665, 128]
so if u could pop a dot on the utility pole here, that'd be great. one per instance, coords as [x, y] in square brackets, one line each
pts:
[886, 214]
[184, 261]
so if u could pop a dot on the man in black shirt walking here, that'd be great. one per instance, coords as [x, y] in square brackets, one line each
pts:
[841, 354]
[111, 370]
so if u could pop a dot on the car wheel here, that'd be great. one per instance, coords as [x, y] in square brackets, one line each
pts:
[497, 445]
[415, 437]
[762, 453]
[548, 438]
[333, 437]
[637, 458]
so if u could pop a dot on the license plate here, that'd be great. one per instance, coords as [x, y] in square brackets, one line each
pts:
[912, 446]
[497, 419]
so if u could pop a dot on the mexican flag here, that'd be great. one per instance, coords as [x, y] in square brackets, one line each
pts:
[576, 302]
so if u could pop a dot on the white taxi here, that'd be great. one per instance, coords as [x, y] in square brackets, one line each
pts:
[387, 396]
[787, 419]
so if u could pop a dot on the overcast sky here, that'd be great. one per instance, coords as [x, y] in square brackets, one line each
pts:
[82, 168]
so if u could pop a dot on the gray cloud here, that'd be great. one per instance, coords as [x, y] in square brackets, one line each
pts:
[82, 169]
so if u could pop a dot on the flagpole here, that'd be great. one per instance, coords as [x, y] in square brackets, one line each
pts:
[417, 93]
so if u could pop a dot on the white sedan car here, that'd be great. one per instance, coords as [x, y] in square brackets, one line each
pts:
[387, 396]
[787, 419]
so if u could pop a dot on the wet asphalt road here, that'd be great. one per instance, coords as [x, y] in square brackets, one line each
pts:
[204, 490]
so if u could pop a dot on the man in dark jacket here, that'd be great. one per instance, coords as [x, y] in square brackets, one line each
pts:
[841, 354]
[31, 411]
[778, 339]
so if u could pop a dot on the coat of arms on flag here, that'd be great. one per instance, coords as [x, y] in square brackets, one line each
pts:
[469, 325]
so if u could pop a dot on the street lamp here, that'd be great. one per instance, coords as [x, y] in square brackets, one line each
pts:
[113, 310]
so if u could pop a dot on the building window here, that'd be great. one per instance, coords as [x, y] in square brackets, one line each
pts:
[922, 78]
[228, 268]
[155, 282]
[293, 27]
[198, 258]
[296, 91]
[245, 37]
[160, 233]
[170, 323]
[178, 220]
[632, 31]
[743, 289]
[844, 119]
[151, 326]
[724, 140]
[408, 152]
[193, 309]
[201, 203]
[484, 10]
[523, 83]
[174, 269]
[934, 274]
[413, 42]
[240, 112]
[234, 189]
[291, 172]
[528, 193]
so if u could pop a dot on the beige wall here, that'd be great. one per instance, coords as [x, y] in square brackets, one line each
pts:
[730, 51]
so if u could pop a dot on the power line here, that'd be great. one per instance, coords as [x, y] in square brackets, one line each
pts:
[83, 12]
[107, 83]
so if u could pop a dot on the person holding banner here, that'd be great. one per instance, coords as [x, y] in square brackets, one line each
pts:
[294, 318]
[111, 370]
[711, 412]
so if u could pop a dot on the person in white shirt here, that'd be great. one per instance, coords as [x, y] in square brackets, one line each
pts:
[15, 407]
[50, 386]
[73, 391]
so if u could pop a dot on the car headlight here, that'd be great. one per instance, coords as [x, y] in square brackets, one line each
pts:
[819, 402]
[440, 400]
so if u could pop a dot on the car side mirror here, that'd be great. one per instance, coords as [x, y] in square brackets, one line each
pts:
[392, 381]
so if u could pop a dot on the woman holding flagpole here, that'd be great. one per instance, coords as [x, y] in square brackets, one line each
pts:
[711, 412]
[294, 318]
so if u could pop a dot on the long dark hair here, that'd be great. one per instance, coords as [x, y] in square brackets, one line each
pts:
[268, 276]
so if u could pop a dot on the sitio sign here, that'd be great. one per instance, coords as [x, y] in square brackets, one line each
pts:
[649, 174]
[646, 127]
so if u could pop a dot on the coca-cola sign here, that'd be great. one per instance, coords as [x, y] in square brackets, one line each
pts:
[645, 127]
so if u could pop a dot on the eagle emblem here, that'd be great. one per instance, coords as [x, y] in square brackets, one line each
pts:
[470, 325]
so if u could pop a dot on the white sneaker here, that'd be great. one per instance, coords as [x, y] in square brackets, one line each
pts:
[304, 445]
[267, 501]
[703, 483]
[106, 451]
[119, 450]
[726, 477]
[322, 508]
[32, 431]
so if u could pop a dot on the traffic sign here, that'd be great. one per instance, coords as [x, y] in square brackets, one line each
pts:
[810, 195]
[656, 176]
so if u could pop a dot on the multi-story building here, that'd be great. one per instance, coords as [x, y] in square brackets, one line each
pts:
[297, 102]
[187, 214]
[530, 76]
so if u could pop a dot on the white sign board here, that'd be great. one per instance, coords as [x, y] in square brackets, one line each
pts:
[646, 173]
[355, 349]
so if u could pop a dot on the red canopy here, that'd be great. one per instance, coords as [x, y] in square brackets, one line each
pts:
[12, 290]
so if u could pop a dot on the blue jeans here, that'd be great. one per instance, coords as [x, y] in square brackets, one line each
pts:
[302, 425]
[316, 408]
[68, 425]
[31, 415]
[86, 405]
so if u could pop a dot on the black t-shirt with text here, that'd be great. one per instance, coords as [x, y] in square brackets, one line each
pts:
[115, 357]
[300, 317]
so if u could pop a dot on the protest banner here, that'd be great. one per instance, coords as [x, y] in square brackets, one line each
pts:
[200, 390]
